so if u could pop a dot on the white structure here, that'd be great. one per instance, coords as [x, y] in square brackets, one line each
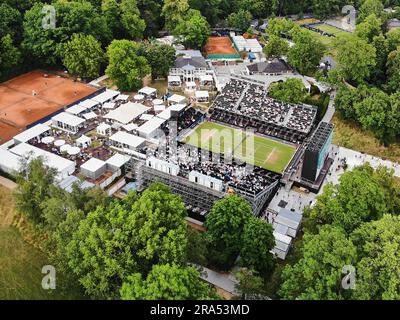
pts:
[190, 85]
[104, 129]
[83, 141]
[109, 105]
[282, 245]
[93, 168]
[76, 109]
[64, 167]
[127, 112]
[146, 117]
[126, 142]
[287, 222]
[166, 114]
[9, 162]
[206, 80]
[68, 182]
[174, 81]
[130, 127]
[67, 122]
[164, 166]
[201, 96]
[148, 92]
[206, 181]
[106, 96]
[117, 161]
[89, 104]
[89, 115]
[122, 97]
[38, 131]
[176, 98]
[151, 128]
[249, 45]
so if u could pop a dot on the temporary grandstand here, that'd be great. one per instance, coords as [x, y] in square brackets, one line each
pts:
[244, 104]
[221, 48]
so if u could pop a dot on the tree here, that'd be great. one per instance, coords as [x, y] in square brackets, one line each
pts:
[210, 9]
[166, 282]
[193, 29]
[10, 56]
[249, 284]
[126, 67]
[356, 58]
[276, 47]
[127, 237]
[279, 26]
[393, 70]
[356, 199]
[34, 180]
[378, 267]
[197, 247]
[326, 8]
[225, 224]
[150, 11]
[369, 28]
[240, 20]
[83, 56]
[161, 58]
[130, 19]
[10, 20]
[369, 7]
[318, 273]
[380, 114]
[393, 39]
[306, 53]
[292, 91]
[173, 11]
[258, 241]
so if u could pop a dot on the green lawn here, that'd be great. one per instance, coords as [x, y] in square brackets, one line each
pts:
[330, 29]
[259, 151]
[21, 263]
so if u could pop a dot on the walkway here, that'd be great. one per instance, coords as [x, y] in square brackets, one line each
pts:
[8, 183]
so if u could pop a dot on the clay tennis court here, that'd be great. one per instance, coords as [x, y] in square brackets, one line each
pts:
[219, 46]
[34, 96]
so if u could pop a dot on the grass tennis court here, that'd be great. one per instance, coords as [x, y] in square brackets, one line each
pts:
[259, 151]
[330, 29]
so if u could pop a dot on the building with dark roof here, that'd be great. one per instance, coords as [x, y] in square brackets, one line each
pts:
[274, 67]
[189, 66]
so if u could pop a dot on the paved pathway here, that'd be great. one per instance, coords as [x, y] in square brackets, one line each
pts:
[8, 183]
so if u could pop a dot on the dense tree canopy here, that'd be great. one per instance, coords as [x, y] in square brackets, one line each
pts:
[240, 20]
[83, 56]
[276, 47]
[292, 90]
[126, 67]
[166, 282]
[193, 29]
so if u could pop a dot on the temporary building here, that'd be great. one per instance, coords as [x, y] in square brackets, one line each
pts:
[68, 122]
[35, 132]
[127, 112]
[103, 129]
[9, 162]
[148, 92]
[176, 98]
[150, 129]
[83, 141]
[93, 168]
[106, 96]
[123, 140]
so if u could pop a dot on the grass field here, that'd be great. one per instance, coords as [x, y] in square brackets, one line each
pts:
[21, 263]
[330, 29]
[259, 151]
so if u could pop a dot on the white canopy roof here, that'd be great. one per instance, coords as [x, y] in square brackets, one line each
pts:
[76, 109]
[103, 127]
[64, 166]
[159, 107]
[118, 160]
[138, 97]
[157, 102]
[247, 44]
[146, 117]
[166, 114]
[190, 84]
[130, 127]
[201, 94]
[151, 125]
[32, 133]
[93, 165]
[68, 119]
[109, 105]
[127, 112]
[128, 139]
[176, 98]
[174, 79]
[122, 97]
[83, 140]
[9, 162]
[106, 96]
[88, 103]
[147, 91]
[89, 115]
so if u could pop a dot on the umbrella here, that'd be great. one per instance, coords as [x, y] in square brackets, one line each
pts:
[59, 143]
[48, 140]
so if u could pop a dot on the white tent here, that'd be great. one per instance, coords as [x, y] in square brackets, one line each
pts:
[68, 122]
[201, 96]
[206, 78]
[31, 133]
[174, 81]
[93, 168]
[88, 103]
[127, 112]
[146, 117]
[190, 85]
[9, 162]
[109, 105]
[148, 91]
[89, 115]
[64, 167]
[76, 109]
[130, 127]
[118, 160]
[103, 129]
[149, 129]
[122, 97]
[176, 98]
[159, 107]
[83, 141]
[124, 140]
[166, 114]
[106, 96]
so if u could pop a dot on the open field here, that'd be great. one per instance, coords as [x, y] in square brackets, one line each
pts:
[352, 136]
[259, 151]
[21, 263]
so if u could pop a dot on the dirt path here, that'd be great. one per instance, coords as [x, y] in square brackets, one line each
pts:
[7, 183]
